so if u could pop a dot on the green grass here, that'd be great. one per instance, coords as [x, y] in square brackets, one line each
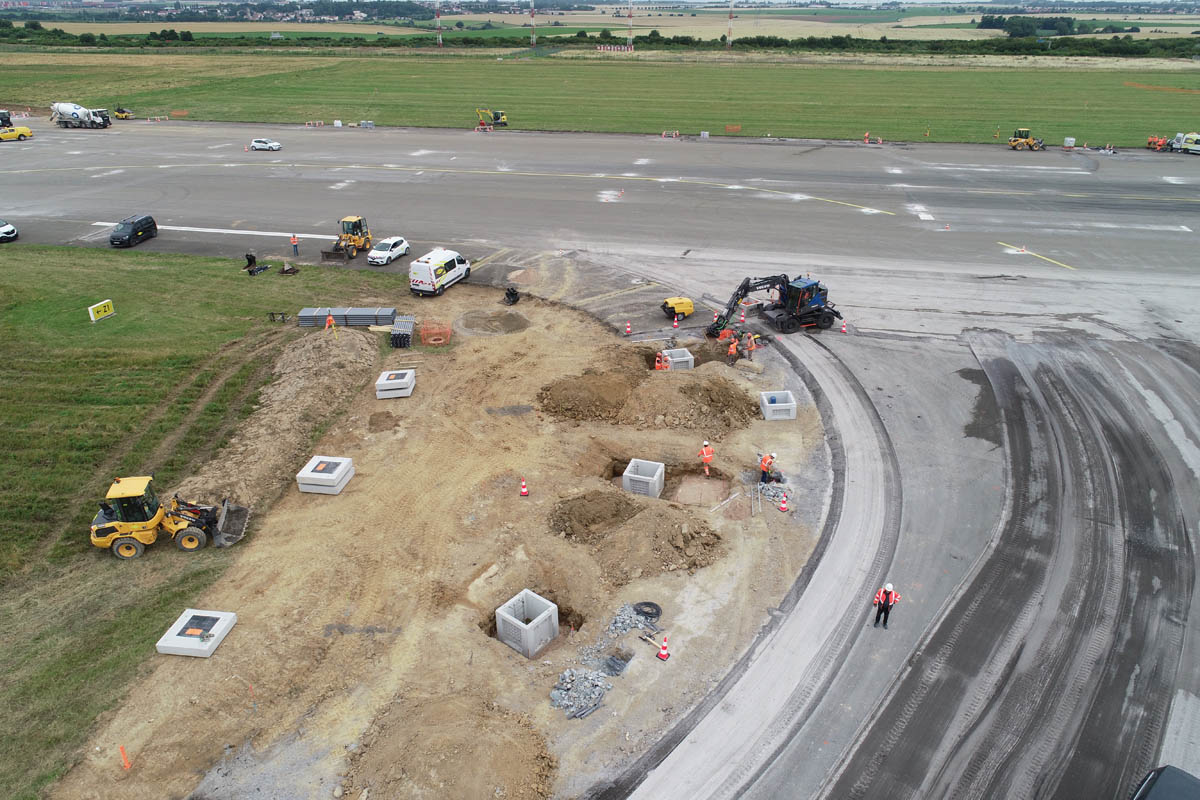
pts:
[836, 102]
[82, 402]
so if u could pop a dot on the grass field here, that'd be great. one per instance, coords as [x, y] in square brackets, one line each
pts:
[794, 100]
[155, 389]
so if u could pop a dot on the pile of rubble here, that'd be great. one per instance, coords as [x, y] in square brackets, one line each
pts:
[579, 692]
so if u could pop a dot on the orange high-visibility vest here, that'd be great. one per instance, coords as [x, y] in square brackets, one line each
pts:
[706, 454]
[766, 463]
[750, 345]
[882, 597]
[294, 240]
[733, 348]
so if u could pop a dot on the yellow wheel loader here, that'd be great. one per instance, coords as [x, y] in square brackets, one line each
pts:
[678, 308]
[1022, 139]
[354, 236]
[131, 517]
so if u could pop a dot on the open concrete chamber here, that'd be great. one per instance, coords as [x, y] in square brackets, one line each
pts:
[777, 405]
[527, 623]
[644, 477]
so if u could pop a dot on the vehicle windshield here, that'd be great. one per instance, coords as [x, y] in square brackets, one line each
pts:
[123, 227]
[3, 223]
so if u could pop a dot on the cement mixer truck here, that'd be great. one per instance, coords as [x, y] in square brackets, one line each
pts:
[72, 115]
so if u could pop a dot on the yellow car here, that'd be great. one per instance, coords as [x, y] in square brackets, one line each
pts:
[20, 133]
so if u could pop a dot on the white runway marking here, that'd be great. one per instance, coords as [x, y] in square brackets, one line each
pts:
[74, 152]
[630, 175]
[1009, 168]
[219, 146]
[1176, 181]
[609, 195]
[107, 174]
[340, 185]
[922, 215]
[796, 197]
[231, 230]
[419, 153]
[895, 170]
[643, 161]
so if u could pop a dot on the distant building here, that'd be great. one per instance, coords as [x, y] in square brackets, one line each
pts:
[276, 35]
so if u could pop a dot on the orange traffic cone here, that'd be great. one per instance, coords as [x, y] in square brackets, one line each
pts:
[714, 316]
[628, 328]
[783, 504]
[663, 655]
[743, 317]
[1022, 248]
[245, 148]
[524, 489]
[947, 226]
[675, 324]
[843, 326]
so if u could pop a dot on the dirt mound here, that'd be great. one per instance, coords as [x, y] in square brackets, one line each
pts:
[590, 396]
[314, 375]
[486, 751]
[589, 517]
[692, 399]
[630, 537]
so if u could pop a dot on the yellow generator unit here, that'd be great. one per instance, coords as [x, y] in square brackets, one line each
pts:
[677, 308]
[132, 517]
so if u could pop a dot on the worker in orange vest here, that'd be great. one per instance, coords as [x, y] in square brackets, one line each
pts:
[885, 598]
[749, 346]
[706, 456]
[732, 351]
[295, 245]
[764, 466]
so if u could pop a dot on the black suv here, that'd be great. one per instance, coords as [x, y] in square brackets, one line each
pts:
[132, 230]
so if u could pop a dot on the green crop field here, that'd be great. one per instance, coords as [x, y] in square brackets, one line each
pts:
[793, 100]
[81, 403]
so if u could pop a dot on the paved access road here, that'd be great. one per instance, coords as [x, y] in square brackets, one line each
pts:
[1012, 414]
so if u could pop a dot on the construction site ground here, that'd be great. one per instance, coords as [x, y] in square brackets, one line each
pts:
[364, 660]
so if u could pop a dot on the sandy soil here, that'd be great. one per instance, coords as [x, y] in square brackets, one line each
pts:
[363, 661]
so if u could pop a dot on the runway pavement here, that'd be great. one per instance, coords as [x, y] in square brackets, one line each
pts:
[1013, 411]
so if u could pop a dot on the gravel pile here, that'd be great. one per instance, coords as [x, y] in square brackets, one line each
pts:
[626, 620]
[579, 691]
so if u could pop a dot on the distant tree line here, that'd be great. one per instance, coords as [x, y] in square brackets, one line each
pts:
[1018, 26]
[33, 33]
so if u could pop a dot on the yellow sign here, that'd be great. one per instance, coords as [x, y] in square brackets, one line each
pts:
[101, 310]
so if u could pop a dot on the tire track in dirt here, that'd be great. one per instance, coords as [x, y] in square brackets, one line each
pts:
[106, 470]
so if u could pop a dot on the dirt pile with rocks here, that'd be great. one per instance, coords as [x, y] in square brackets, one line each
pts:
[631, 537]
[314, 376]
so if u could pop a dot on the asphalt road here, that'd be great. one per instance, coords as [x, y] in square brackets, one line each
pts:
[1012, 414]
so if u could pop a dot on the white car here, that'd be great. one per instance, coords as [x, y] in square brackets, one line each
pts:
[8, 232]
[388, 250]
[265, 144]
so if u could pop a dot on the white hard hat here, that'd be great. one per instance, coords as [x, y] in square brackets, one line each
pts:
[888, 587]
[772, 455]
[706, 443]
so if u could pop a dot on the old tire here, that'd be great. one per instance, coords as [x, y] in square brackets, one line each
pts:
[825, 322]
[790, 325]
[191, 539]
[127, 548]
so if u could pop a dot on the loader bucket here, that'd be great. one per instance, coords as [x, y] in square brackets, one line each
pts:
[231, 524]
[335, 255]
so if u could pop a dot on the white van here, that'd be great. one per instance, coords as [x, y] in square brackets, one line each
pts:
[1191, 144]
[437, 269]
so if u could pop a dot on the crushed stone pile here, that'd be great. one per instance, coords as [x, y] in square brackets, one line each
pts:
[626, 620]
[579, 690]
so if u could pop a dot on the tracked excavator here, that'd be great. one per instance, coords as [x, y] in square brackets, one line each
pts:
[799, 303]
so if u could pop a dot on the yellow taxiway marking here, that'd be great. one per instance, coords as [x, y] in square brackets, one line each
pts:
[627, 290]
[446, 171]
[1035, 255]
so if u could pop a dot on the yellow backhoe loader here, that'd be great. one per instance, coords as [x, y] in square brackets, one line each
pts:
[1022, 139]
[131, 517]
[354, 236]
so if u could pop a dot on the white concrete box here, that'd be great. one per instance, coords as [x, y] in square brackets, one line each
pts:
[197, 633]
[395, 383]
[527, 623]
[680, 359]
[644, 477]
[777, 405]
[325, 474]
